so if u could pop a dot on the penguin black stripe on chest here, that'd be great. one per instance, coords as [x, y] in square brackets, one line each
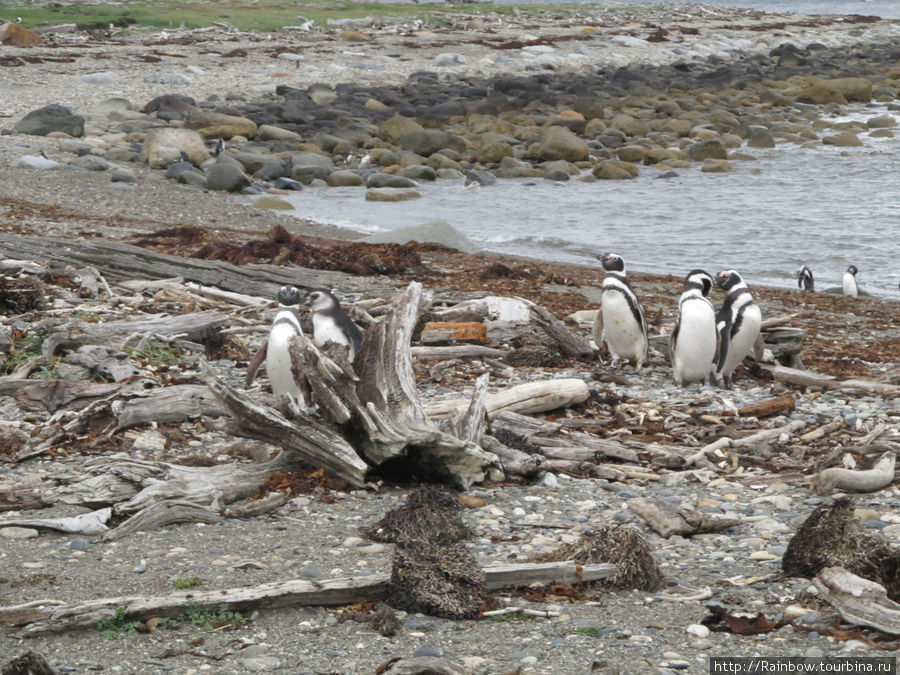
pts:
[693, 343]
[738, 321]
[620, 322]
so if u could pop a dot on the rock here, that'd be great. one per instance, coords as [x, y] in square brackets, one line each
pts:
[170, 106]
[344, 178]
[387, 180]
[269, 132]
[844, 139]
[227, 177]
[760, 138]
[480, 178]
[449, 59]
[151, 441]
[18, 532]
[632, 153]
[287, 184]
[881, 122]
[556, 175]
[16, 35]
[612, 170]
[90, 163]
[419, 172]
[391, 194]
[36, 162]
[219, 125]
[268, 202]
[820, 94]
[408, 134]
[709, 149]
[853, 88]
[435, 232]
[49, 119]
[310, 166]
[716, 166]
[374, 105]
[121, 176]
[559, 143]
[168, 78]
[354, 36]
[164, 146]
[629, 125]
[98, 78]
[493, 152]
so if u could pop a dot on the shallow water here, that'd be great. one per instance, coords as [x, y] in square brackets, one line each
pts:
[826, 207]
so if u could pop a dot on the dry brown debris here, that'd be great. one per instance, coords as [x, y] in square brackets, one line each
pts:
[430, 514]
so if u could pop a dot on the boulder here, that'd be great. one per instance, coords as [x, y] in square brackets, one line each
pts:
[269, 132]
[844, 139]
[820, 94]
[435, 232]
[164, 146]
[560, 143]
[760, 138]
[631, 153]
[716, 166]
[493, 152]
[408, 134]
[344, 178]
[219, 125]
[226, 176]
[170, 106]
[49, 119]
[709, 149]
[419, 172]
[309, 166]
[387, 180]
[391, 194]
[275, 203]
[881, 122]
[853, 88]
[612, 170]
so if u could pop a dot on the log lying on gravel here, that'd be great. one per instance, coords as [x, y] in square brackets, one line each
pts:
[806, 378]
[858, 600]
[835, 478]
[530, 397]
[668, 520]
[329, 592]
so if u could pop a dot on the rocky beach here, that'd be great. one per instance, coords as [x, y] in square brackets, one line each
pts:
[129, 166]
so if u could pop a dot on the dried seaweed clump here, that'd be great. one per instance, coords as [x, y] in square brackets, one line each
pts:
[430, 514]
[440, 580]
[30, 663]
[623, 546]
[832, 536]
[18, 296]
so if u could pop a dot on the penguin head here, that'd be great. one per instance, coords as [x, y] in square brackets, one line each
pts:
[728, 280]
[288, 295]
[321, 300]
[699, 279]
[852, 270]
[612, 262]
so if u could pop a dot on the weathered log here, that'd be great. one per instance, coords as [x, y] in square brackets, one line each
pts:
[470, 427]
[53, 395]
[162, 513]
[436, 332]
[328, 592]
[806, 378]
[493, 307]
[530, 397]
[667, 519]
[858, 600]
[20, 498]
[763, 436]
[768, 407]
[569, 343]
[457, 352]
[835, 478]
[514, 462]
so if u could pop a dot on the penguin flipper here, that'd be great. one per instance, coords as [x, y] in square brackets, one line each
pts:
[722, 349]
[673, 338]
[597, 329]
[255, 363]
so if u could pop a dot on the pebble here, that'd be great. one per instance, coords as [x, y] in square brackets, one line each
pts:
[697, 630]
[15, 532]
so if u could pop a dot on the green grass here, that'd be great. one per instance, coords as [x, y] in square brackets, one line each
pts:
[117, 624]
[264, 15]
[23, 348]
[205, 618]
[189, 582]
[156, 356]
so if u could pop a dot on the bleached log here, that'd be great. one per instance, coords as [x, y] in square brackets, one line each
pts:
[835, 478]
[293, 593]
[457, 352]
[53, 395]
[668, 519]
[806, 378]
[763, 436]
[84, 523]
[241, 299]
[859, 601]
[569, 343]
[492, 307]
[470, 427]
[530, 397]
[162, 513]
[514, 462]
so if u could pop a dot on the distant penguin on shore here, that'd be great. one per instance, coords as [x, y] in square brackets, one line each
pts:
[331, 323]
[805, 279]
[738, 322]
[285, 327]
[849, 282]
[694, 339]
[620, 322]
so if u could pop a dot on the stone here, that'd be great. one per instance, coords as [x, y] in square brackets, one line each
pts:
[881, 122]
[632, 153]
[269, 132]
[419, 172]
[150, 441]
[274, 203]
[344, 178]
[716, 166]
[556, 175]
[15, 532]
[612, 170]
[168, 78]
[628, 125]
[709, 149]
[493, 152]
[387, 180]
[309, 166]
[164, 146]
[287, 184]
[36, 162]
[391, 194]
[844, 139]
[90, 163]
[49, 119]
[820, 94]
[852, 88]
[219, 125]
[354, 36]
[760, 138]
[98, 78]
[227, 177]
[560, 143]
[434, 232]
[408, 134]
[170, 106]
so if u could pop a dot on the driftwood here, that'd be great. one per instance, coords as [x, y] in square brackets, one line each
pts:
[531, 397]
[858, 600]
[764, 436]
[340, 591]
[667, 519]
[53, 395]
[85, 523]
[569, 343]
[768, 407]
[835, 478]
[457, 352]
[514, 462]
[806, 378]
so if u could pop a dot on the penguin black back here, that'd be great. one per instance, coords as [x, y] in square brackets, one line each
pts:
[805, 279]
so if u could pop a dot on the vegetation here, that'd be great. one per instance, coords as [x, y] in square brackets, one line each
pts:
[205, 618]
[513, 617]
[26, 347]
[116, 624]
[189, 582]
[156, 356]
[261, 15]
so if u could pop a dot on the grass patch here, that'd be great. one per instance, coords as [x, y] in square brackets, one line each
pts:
[25, 347]
[156, 356]
[590, 631]
[205, 618]
[189, 582]
[117, 624]
[264, 15]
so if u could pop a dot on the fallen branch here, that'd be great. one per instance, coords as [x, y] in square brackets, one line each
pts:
[667, 519]
[341, 591]
[530, 397]
[858, 600]
[763, 436]
[835, 478]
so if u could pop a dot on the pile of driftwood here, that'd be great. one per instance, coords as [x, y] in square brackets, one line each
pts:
[371, 421]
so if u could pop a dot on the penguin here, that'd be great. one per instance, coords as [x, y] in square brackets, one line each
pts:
[738, 322]
[694, 340]
[220, 147]
[285, 327]
[805, 279]
[331, 323]
[850, 287]
[620, 322]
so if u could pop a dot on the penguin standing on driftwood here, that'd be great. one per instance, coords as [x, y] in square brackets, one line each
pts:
[620, 323]
[285, 327]
[331, 323]
[738, 322]
[694, 340]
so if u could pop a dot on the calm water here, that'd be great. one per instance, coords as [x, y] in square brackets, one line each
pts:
[827, 208]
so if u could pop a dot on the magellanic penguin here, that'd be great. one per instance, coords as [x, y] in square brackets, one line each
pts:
[285, 327]
[805, 279]
[693, 341]
[850, 287]
[620, 322]
[331, 323]
[738, 322]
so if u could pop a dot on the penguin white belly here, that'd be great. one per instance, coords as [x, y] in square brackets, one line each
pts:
[694, 352]
[623, 333]
[743, 343]
[850, 287]
[325, 329]
[278, 364]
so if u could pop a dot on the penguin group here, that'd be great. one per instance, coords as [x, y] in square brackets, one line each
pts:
[849, 285]
[705, 345]
[330, 323]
